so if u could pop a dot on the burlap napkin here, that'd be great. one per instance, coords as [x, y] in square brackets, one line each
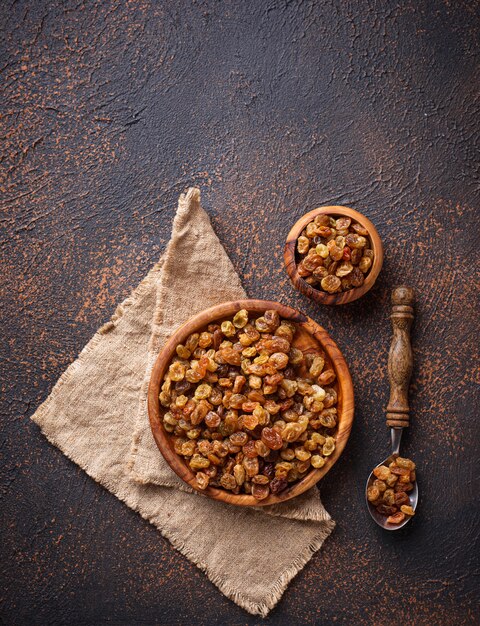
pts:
[96, 414]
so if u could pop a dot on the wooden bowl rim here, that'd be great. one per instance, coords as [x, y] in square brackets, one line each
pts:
[345, 403]
[316, 294]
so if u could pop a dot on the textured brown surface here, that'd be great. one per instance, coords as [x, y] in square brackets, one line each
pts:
[273, 108]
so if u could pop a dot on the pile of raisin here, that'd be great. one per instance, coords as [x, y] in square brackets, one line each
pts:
[249, 412]
[388, 493]
[335, 254]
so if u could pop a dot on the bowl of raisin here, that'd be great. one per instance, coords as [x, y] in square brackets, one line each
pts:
[250, 402]
[333, 255]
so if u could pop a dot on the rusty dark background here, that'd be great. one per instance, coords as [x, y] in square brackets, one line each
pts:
[273, 107]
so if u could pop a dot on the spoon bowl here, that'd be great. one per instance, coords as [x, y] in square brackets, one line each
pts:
[381, 520]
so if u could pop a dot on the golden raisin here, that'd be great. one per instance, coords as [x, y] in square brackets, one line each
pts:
[251, 466]
[271, 438]
[382, 472]
[396, 518]
[408, 510]
[331, 283]
[317, 461]
[373, 493]
[202, 480]
[365, 264]
[260, 492]
[404, 463]
[380, 485]
[303, 243]
[328, 446]
[182, 351]
[228, 481]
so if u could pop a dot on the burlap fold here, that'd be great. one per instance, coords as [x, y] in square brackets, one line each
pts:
[96, 414]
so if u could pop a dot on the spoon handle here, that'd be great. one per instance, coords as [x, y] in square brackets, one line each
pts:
[400, 358]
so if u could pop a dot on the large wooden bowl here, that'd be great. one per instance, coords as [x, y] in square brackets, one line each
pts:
[291, 257]
[309, 337]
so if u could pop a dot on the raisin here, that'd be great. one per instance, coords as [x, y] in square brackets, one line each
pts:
[328, 446]
[389, 497]
[291, 432]
[327, 377]
[320, 272]
[272, 319]
[332, 268]
[273, 345]
[239, 474]
[222, 370]
[353, 240]
[359, 229]
[279, 360]
[317, 461]
[312, 261]
[401, 498]
[269, 470]
[250, 450]
[239, 439]
[408, 510]
[322, 220]
[327, 419]
[344, 269]
[383, 509]
[260, 492]
[405, 463]
[231, 356]
[380, 484]
[260, 479]
[355, 256]
[250, 421]
[228, 481]
[251, 466]
[176, 371]
[400, 471]
[212, 419]
[303, 243]
[205, 340]
[239, 384]
[399, 487]
[357, 277]
[331, 283]
[278, 485]
[202, 480]
[343, 223]
[271, 438]
[240, 319]
[381, 472]
[198, 462]
[295, 356]
[365, 264]
[323, 231]
[183, 386]
[391, 480]
[396, 518]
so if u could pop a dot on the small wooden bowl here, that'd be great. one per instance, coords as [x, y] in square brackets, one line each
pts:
[291, 257]
[309, 337]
